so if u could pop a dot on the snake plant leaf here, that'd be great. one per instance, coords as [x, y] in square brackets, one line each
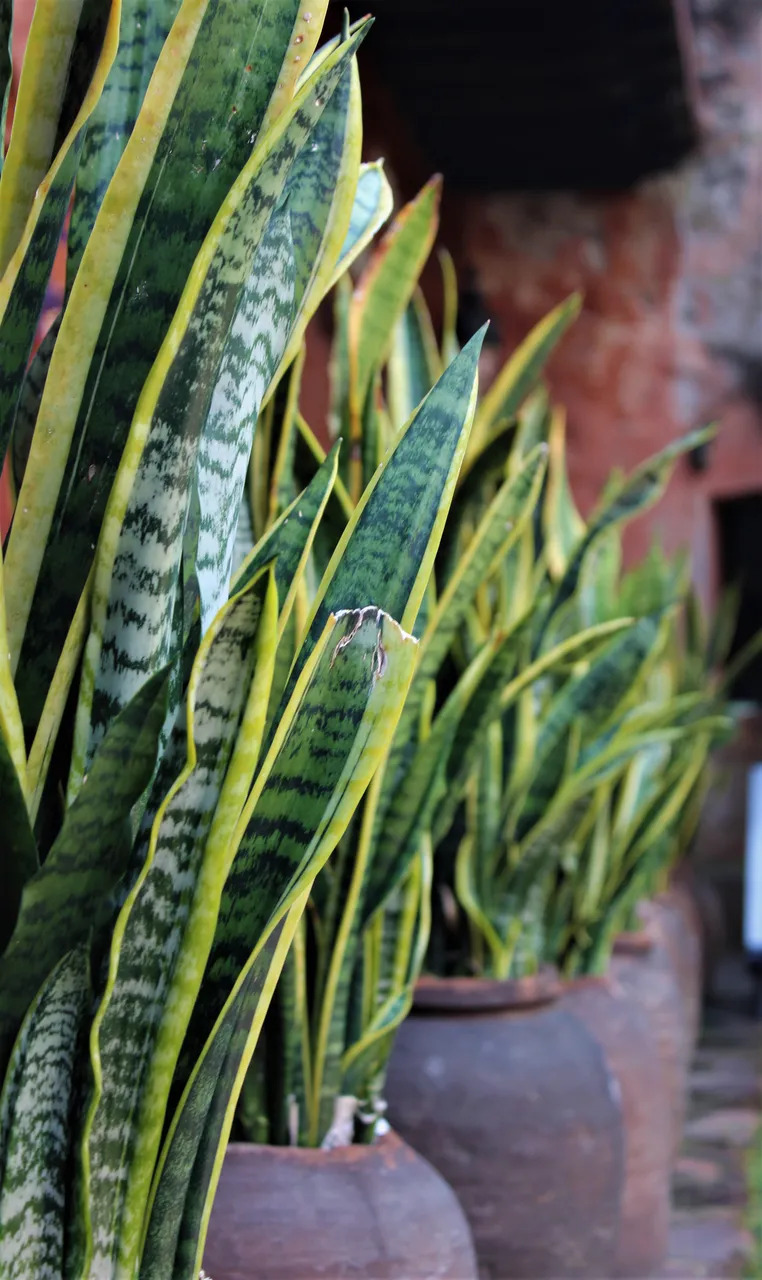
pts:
[336, 150]
[532, 428]
[6, 69]
[388, 546]
[189, 1168]
[314, 190]
[495, 693]
[352, 689]
[629, 497]
[387, 285]
[520, 374]
[372, 207]
[142, 1016]
[450, 345]
[562, 524]
[35, 1107]
[343, 689]
[498, 530]
[414, 363]
[68, 896]
[41, 750]
[590, 700]
[380, 299]
[201, 114]
[11, 728]
[411, 808]
[19, 859]
[61, 51]
[143, 30]
[199, 369]
[28, 403]
[570, 801]
[288, 541]
[62, 47]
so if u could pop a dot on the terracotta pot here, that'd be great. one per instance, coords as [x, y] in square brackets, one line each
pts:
[647, 973]
[622, 1030]
[293, 1213]
[676, 915]
[509, 1096]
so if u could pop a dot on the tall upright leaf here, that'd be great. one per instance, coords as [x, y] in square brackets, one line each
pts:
[35, 1105]
[202, 113]
[143, 1013]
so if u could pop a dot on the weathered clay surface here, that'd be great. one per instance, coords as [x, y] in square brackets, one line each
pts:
[368, 1212]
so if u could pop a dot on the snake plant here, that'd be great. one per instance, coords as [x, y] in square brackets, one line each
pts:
[185, 735]
[318, 1074]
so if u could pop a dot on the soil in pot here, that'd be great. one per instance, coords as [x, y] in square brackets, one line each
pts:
[509, 1096]
[375, 1212]
[623, 1031]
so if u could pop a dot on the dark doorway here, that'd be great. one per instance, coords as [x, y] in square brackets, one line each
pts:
[739, 522]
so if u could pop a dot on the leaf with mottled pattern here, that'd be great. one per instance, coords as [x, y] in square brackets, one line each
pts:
[247, 261]
[327, 748]
[160, 944]
[34, 1125]
[68, 896]
[202, 113]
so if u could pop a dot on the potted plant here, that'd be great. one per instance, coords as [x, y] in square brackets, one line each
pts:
[180, 752]
[497, 786]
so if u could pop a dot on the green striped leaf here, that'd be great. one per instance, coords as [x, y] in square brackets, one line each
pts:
[350, 692]
[287, 542]
[340, 692]
[310, 193]
[66, 48]
[588, 701]
[372, 207]
[410, 811]
[388, 547]
[18, 856]
[201, 114]
[247, 268]
[499, 529]
[143, 28]
[387, 285]
[68, 898]
[414, 363]
[144, 1010]
[628, 498]
[6, 69]
[187, 1176]
[379, 301]
[34, 1125]
[345, 146]
[11, 728]
[60, 55]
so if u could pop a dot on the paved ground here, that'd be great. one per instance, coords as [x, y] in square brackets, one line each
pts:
[709, 1233]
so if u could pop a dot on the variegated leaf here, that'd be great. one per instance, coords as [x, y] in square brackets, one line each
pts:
[34, 1126]
[143, 1013]
[69, 897]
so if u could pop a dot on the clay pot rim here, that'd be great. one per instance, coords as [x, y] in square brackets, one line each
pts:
[354, 1153]
[634, 942]
[481, 995]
